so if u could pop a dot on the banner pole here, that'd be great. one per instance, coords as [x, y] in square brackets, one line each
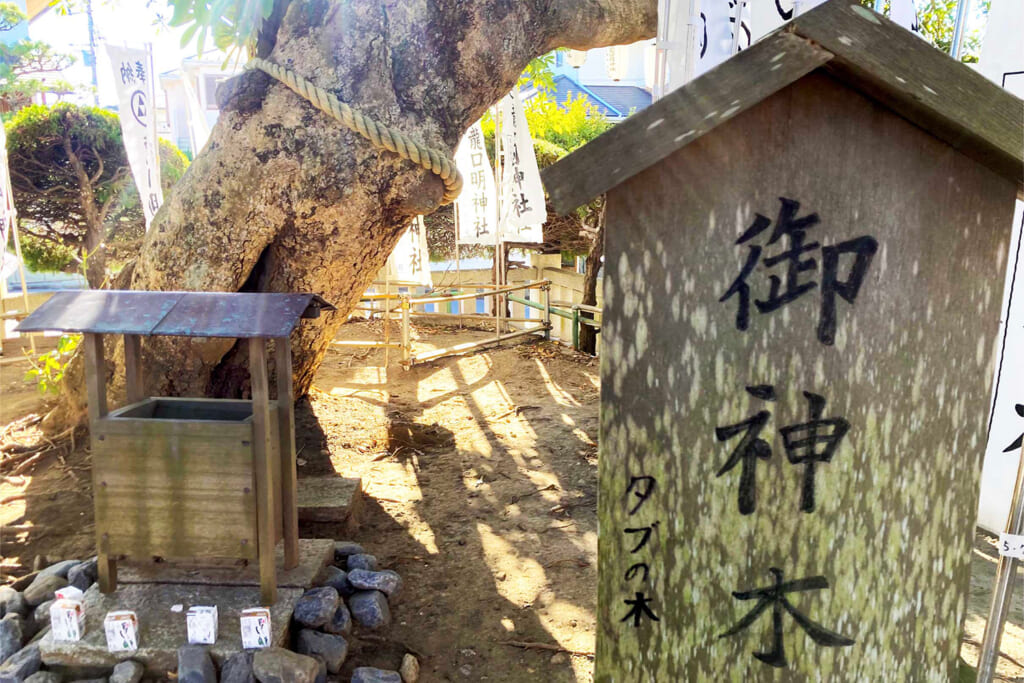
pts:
[1006, 571]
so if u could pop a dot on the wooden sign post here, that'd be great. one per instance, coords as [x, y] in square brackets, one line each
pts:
[801, 305]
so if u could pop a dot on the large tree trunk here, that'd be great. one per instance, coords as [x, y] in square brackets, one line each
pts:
[588, 334]
[284, 199]
[96, 260]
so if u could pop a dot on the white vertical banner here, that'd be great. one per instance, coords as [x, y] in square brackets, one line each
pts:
[1002, 61]
[768, 15]
[715, 33]
[1006, 428]
[478, 202]
[7, 214]
[134, 82]
[904, 13]
[522, 194]
[410, 261]
[1002, 49]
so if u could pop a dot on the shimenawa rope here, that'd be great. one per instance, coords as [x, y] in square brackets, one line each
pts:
[379, 135]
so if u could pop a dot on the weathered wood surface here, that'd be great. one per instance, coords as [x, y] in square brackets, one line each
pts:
[871, 53]
[175, 489]
[288, 473]
[679, 118]
[264, 458]
[133, 380]
[96, 393]
[950, 100]
[910, 370]
[95, 375]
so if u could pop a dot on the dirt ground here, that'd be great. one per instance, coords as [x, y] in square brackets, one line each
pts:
[480, 475]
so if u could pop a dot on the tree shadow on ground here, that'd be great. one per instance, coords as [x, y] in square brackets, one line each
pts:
[499, 545]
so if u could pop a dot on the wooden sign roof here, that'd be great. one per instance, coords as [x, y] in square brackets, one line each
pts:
[861, 48]
[185, 314]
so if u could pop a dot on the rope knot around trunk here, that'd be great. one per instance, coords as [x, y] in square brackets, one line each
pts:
[379, 135]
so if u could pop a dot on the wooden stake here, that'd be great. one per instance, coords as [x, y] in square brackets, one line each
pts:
[133, 368]
[96, 390]
[261, 454]
[286, 432]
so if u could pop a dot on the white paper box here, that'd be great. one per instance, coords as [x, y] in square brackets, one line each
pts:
[67, 620]
[122, 631]
[255, 624]
[69, 593]
[202, 624]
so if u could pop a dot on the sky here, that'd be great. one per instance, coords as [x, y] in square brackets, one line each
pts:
[122, 22]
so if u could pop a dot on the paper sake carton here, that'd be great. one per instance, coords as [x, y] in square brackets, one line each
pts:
[67, 615]
[122, 630]
[202, 624]
[69, 593]
[255, 627]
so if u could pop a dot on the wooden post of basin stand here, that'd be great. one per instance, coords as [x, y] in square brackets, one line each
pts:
[96, 392]
[286, 450]
[133, 368]
[262, 451]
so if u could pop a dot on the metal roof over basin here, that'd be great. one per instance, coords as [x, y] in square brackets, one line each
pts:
[186, 314]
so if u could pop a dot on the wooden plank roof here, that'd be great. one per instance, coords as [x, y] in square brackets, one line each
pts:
[186, 314]
[863, 49]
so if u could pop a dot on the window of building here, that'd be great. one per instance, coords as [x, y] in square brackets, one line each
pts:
[210, 84]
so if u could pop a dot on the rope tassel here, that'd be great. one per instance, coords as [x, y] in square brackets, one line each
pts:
[379, 135]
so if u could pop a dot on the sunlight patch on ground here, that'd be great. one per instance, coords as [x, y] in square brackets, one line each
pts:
[14, 505]
[561, 396]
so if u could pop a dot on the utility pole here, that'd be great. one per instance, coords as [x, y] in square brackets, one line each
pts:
[92, 53]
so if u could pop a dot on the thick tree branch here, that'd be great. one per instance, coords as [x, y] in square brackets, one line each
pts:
[584, 24]
[27, 182]
[99, 171]
[284, 199]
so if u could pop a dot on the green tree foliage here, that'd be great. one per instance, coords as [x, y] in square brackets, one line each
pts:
[233, 24]
[938, 19]
[22, 61]
[10, 16]
[72, 185]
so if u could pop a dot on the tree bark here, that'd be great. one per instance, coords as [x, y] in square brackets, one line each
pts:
[96, 260]
[588, 334]
[283, 198]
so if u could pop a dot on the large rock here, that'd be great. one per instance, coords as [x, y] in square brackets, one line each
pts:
[410, 669]
[21, 665]
[277, 665]
[42, 588]
[338, 580]
[331, 648]
[12, 602]
[341, 622]
[41, 615]
[370, 609]
[60, 569]
[368, 674]
[83, 574]
[195, 665]
[316, 607]
[11, 635]
[345, 549]
[387, 582]
[362, 561]
[238, 668]
[128, 671]
[44, 677]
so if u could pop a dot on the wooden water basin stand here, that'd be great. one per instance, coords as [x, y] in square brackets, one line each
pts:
[189, 480]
